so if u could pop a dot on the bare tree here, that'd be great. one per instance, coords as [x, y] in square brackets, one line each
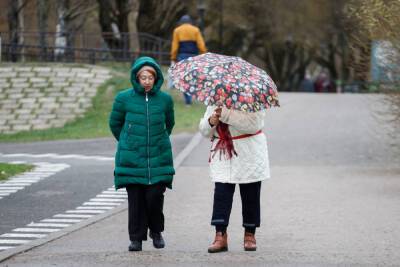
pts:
[272, 38]
[159, 17]
[72, 15]
[335, 51]
[114, 23]
[262, 30]
[379, 20]
[42, 12]
[376, 20]
[286, 63]
[15, 25]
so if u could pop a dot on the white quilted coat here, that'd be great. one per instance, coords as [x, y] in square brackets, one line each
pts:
[251, 163]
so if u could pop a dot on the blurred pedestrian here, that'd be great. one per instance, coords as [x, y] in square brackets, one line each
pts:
[141, 120]
[187, 41]
[319, 83]
[239, 155]
[323, 84]
[307, 84]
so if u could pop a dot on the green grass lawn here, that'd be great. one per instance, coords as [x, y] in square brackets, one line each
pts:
[8, 170]
[95, 122]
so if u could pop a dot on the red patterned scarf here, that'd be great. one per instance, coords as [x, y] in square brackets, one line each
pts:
[225, 143]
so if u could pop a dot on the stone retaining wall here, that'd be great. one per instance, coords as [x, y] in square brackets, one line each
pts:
[45, 97]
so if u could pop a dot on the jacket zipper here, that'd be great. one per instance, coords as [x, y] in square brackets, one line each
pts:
[148, 137]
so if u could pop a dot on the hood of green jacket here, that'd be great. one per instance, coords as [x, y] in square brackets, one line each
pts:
[137, 65]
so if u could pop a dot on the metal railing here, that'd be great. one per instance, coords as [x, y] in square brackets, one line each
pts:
[84, 48]
[370, 87]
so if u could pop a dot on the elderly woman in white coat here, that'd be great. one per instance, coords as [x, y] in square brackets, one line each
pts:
[239, 155]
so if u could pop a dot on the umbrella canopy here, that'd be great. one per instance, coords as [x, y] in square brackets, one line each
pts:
[213, 79]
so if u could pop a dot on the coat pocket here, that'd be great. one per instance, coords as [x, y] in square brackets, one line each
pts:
[165, 152]
[129, 158]
[130, 138]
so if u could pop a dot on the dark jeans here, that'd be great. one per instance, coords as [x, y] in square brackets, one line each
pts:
[223, 197]
[145, 209]
[188, 98]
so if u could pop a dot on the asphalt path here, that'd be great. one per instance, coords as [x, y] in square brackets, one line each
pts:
[66, 189]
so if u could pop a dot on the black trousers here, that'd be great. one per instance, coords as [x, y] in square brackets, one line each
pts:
[145, 210]
[223, 197]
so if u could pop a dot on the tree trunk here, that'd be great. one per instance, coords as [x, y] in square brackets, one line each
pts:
[13, 28]
[60, 40]
[286, 63]
[133, 32]
[72, 16]
[21, 28]
[42, 17]
[114, 18]
[159, 17]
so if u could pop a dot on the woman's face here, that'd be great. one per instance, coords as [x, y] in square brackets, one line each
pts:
[146, 79]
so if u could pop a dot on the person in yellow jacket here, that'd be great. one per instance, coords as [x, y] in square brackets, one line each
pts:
[187, 41]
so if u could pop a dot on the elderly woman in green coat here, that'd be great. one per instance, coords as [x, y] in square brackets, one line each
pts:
[141, 120]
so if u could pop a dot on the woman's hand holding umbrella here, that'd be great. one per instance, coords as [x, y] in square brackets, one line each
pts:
[214, 118]
[218, 111]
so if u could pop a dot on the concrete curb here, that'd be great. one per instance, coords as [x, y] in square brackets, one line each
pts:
[54, 236]
[186, 151]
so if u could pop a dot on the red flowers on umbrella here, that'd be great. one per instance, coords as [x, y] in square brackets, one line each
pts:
[231, 81]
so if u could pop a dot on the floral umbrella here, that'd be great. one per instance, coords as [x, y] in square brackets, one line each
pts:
[213, 78]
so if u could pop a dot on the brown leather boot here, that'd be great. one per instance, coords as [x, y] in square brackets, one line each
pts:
[249, 243]
[220, 243]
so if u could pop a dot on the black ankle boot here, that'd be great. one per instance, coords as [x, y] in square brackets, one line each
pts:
[135, 246]
[158, 240]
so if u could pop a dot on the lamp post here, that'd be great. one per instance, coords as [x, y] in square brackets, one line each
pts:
[201, 8]
[289, 40]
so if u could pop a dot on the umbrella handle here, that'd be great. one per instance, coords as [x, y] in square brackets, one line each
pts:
[219, 103]
[218, 110]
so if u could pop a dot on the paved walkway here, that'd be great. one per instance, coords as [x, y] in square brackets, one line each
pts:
[333, 200]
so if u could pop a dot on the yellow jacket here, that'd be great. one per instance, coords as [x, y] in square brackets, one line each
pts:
[187, 41]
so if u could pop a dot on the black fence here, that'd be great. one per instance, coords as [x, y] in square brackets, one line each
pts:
[83, 48]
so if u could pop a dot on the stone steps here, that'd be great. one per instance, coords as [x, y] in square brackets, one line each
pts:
[33, 98]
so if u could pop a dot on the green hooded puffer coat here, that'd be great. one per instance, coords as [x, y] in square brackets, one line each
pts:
[142, 123]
